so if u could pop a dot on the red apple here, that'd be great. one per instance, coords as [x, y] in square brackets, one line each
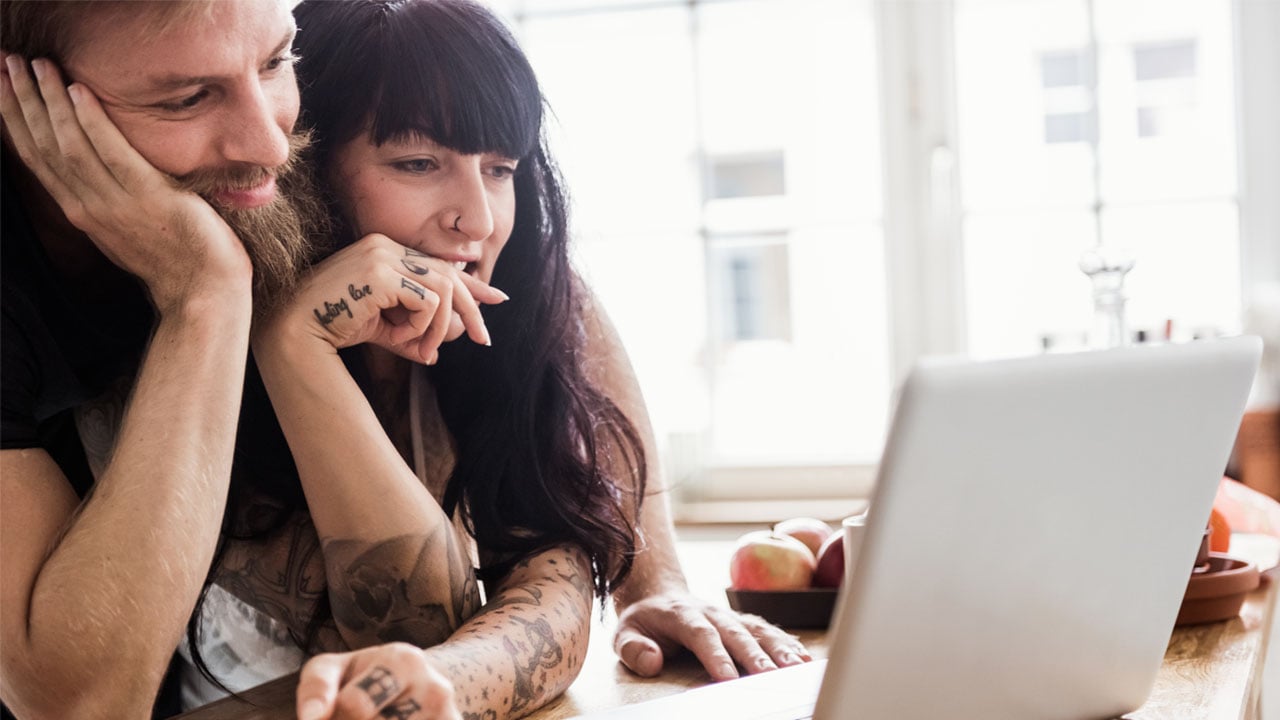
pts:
[830, 569]
[764, 560]
[810, 531]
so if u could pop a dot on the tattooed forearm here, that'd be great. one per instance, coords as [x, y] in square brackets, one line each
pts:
[538, 650]
[527, 644]
[410, 588]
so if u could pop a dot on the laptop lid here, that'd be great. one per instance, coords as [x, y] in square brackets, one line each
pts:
[1032, 531]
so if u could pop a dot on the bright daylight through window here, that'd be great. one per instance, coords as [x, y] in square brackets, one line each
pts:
[746, 174]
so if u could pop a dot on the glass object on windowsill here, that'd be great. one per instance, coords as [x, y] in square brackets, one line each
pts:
[1106, 266]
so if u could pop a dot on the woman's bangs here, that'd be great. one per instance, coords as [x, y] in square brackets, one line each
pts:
[442, 84]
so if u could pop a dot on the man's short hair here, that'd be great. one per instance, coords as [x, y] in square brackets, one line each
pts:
[43, 29]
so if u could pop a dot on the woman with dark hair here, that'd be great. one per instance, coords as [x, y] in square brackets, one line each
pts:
[426, 120]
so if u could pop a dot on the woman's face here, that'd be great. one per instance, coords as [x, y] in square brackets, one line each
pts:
[455, 207]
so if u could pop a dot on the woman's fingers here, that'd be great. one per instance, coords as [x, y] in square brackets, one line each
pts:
[468, 309]
[394, 681]
[318, 685]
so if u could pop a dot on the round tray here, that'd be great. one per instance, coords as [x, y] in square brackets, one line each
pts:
[1218, 591]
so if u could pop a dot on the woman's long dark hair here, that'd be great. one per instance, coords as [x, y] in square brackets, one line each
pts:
[542, 456]
[540, 450]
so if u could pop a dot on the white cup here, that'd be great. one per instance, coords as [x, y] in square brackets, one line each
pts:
[854, 528]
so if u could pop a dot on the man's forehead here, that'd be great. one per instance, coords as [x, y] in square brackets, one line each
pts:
[148, 47]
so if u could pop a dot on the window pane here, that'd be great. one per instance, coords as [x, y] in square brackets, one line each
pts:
[1022, 106]
[724, 164]
[1168, 107]
[1166, 155]
[747, 177]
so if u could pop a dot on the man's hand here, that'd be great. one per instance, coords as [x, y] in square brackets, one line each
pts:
[659, 626]
[172, 240]
[386, 681]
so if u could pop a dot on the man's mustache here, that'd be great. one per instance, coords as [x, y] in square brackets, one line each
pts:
[208, 182]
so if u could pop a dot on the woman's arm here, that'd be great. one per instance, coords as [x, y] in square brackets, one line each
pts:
[657, 615]
[395, 566]
[522, 650]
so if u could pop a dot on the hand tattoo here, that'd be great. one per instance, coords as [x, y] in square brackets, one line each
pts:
[401, 711]
[415, 287]
[380, 684]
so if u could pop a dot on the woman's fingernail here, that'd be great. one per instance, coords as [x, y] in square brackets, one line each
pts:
[505, 297]
[75, 92]
[38, 67]
[13, 63]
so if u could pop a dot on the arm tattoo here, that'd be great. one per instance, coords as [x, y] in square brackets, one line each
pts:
[391, 590]
[540, 651]
[415, 287]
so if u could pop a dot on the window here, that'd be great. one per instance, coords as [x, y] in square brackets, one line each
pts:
[1068, 114]
[782, 203]
[750, 289]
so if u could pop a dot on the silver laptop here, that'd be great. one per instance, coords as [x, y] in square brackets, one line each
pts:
[1032, 531]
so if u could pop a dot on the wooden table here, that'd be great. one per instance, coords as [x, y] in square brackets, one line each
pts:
[1210, 671]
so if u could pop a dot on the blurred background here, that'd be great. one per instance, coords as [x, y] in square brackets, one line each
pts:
[783, 203]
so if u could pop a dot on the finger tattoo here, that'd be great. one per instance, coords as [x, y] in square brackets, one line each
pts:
[401, 711]
[415, 287]
[413, 267]
[380, 684]
[414, 252]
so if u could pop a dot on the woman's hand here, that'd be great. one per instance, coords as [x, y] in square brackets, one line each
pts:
[663, 624]
[385, 681]
[379, 291]
[172, 240]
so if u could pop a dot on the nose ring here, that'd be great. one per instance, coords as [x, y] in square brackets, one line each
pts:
[456, 221]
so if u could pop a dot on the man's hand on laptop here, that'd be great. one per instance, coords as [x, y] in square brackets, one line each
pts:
[662, 625]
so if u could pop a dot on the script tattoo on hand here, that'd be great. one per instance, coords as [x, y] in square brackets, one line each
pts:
[332, 311]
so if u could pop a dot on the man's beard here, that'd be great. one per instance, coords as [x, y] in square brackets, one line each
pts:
[282, 237]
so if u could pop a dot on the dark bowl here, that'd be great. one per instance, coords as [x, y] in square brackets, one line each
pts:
[800, 609]
[1217, 590]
